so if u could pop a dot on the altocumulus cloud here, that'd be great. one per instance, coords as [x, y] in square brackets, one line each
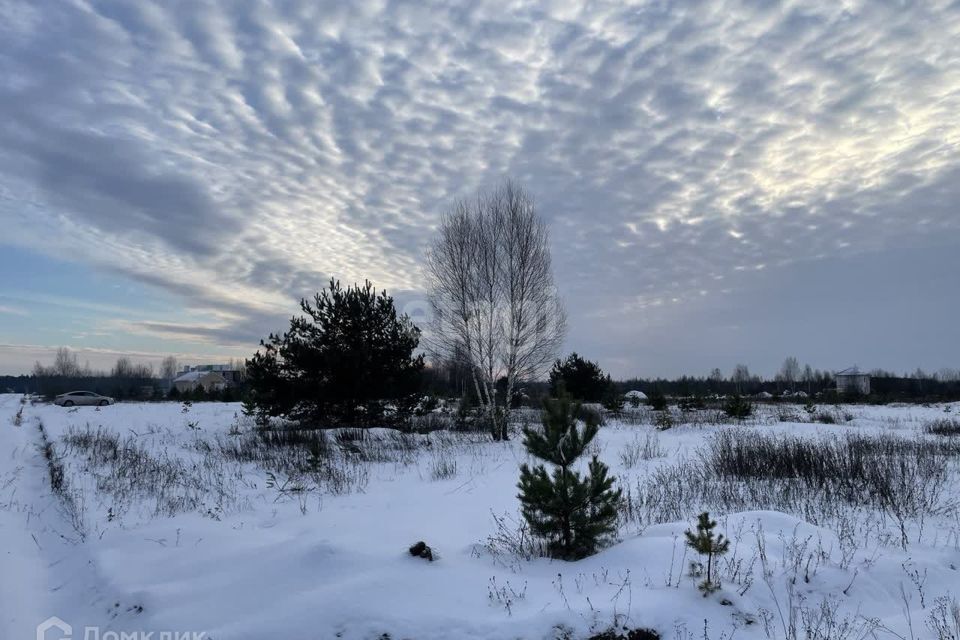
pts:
[240, 154]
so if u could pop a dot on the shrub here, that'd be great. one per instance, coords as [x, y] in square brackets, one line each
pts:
[692, 403]
[943, 427]
[613, 401]
[656, 400]
[443, 467]
[466, 412]
[637, 450]
[590, 413]
[944, 619]
[510, 543]
[626, 634]
[59, 483]
[738, 407]
[662, 420]
[426, 406]
[127, 472]
[575, 514]
[816, 479]
[432, 422]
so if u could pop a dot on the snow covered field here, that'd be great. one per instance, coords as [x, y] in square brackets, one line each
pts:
[181, 519]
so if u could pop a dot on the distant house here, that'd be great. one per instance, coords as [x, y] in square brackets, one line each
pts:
[852, 380]
[206, 380]
[232, 375]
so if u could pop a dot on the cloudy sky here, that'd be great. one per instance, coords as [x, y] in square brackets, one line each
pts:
[724, 182]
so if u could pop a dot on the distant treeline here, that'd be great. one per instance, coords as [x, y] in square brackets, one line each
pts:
[685, 386]
[882, 388]
[129, 381]
[913, 389]
[126, 380]
[452, 381]
[118, 388]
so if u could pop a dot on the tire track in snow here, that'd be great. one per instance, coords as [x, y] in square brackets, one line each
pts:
[24, 577]
[44, 572]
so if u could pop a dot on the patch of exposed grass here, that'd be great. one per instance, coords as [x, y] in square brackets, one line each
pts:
[942, 427]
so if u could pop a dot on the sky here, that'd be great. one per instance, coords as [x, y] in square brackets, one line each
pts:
[723, 182]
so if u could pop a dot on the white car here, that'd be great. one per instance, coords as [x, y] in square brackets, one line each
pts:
[77, 398]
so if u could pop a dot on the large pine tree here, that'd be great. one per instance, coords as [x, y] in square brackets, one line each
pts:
[574, 513]
[346, 360]
[580, 379]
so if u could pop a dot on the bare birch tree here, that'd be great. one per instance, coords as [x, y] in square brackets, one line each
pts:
[790, 372]
[741, 375]
[808, 377]
[495, 307]
[168, 368]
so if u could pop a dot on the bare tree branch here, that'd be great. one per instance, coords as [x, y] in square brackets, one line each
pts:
[495, 306]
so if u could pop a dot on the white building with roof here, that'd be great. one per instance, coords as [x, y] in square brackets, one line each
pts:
[232, 374]
[852, 380]
[192, 380]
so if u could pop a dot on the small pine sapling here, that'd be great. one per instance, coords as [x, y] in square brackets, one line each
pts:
[574, 513]
[663, 420]
[738, 407]
[613, 401]
[706, 543]
[692, 403]
[656, 400]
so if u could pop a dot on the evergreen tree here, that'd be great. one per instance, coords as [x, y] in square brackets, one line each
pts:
[574, 513]
[342, 362]
[251, 408]
[466, 411]
[692, 403]
[656, 400]
[738, 407]
[580, 379]
[707, 544]
[613, 400]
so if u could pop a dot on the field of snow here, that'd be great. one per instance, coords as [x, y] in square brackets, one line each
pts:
[177, 518]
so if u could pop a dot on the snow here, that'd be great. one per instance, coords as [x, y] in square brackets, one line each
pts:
[245, 560]
[43, 571]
